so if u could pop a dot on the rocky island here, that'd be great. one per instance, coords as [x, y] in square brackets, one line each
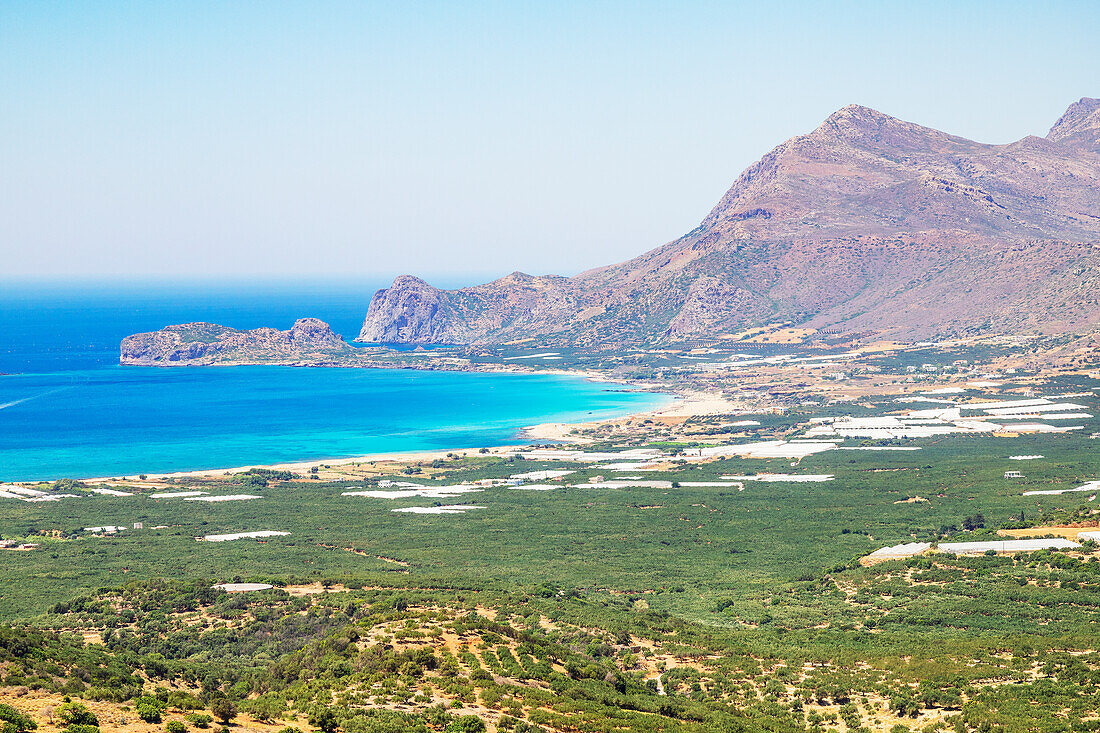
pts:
[309, 341]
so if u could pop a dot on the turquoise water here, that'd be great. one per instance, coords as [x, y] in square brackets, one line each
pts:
[69, 410]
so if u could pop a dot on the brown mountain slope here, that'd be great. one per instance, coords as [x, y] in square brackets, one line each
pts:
[868, 223]
[1079, 126]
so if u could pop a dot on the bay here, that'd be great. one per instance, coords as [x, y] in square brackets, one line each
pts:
[67, 409]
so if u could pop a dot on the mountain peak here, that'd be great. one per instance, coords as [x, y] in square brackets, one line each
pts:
[858, 113]
[864, 127]
[1080, 125]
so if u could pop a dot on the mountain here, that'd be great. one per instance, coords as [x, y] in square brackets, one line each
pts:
[309, 341]
[866, 224]
[1079, 126]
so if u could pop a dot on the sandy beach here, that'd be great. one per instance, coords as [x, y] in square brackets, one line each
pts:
[682, 406]
[304, 466]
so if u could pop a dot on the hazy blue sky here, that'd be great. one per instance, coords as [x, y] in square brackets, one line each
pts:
[462, 139]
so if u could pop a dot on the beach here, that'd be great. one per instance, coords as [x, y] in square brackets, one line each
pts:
[692, 403]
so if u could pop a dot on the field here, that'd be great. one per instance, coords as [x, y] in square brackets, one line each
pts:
[714, 543]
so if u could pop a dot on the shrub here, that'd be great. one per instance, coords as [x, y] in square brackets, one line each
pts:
[14, 721]
[324, 719]
[148, 709]
[73, 713]
[200, 720]
[466, 724]
[175, 726]
[149, 713]
[265, 708]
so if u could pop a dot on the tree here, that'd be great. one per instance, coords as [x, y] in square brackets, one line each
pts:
[976, 521]
[325, 720]
[223, 709]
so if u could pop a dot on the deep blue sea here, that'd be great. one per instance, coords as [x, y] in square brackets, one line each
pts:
[67, 409]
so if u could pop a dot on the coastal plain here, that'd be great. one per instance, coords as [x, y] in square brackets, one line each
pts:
[703, 566]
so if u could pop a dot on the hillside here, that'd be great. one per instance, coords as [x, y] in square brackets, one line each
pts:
[866, 224]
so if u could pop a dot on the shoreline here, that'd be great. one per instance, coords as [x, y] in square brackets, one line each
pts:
[390, 457]
[528, 434]
[681, 405]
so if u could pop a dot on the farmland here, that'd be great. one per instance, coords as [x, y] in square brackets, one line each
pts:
[650, 579]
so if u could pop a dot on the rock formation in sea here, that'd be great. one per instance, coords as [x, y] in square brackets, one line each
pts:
[309, 340]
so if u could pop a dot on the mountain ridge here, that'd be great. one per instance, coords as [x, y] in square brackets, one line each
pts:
[868, 223]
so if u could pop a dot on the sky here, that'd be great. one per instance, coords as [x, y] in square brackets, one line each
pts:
[462, 140]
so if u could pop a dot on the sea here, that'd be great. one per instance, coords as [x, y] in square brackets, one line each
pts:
[68, 410]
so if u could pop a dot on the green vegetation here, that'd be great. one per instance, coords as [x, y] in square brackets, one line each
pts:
[73, 713]
[15, 721]
[584, 609]
[714, 544]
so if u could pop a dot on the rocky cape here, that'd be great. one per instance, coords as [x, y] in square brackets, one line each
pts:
[868, 224]
[309, 342]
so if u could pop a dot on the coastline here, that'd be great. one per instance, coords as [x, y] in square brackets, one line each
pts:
[675, 405]
[391, 457]
[650, 398]
[556, 432]
[679, 406]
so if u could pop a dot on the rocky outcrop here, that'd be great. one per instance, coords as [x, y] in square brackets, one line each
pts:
[715, 306]
[410, 311]
[195, 344]
[866, 224]
[1079, 126]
